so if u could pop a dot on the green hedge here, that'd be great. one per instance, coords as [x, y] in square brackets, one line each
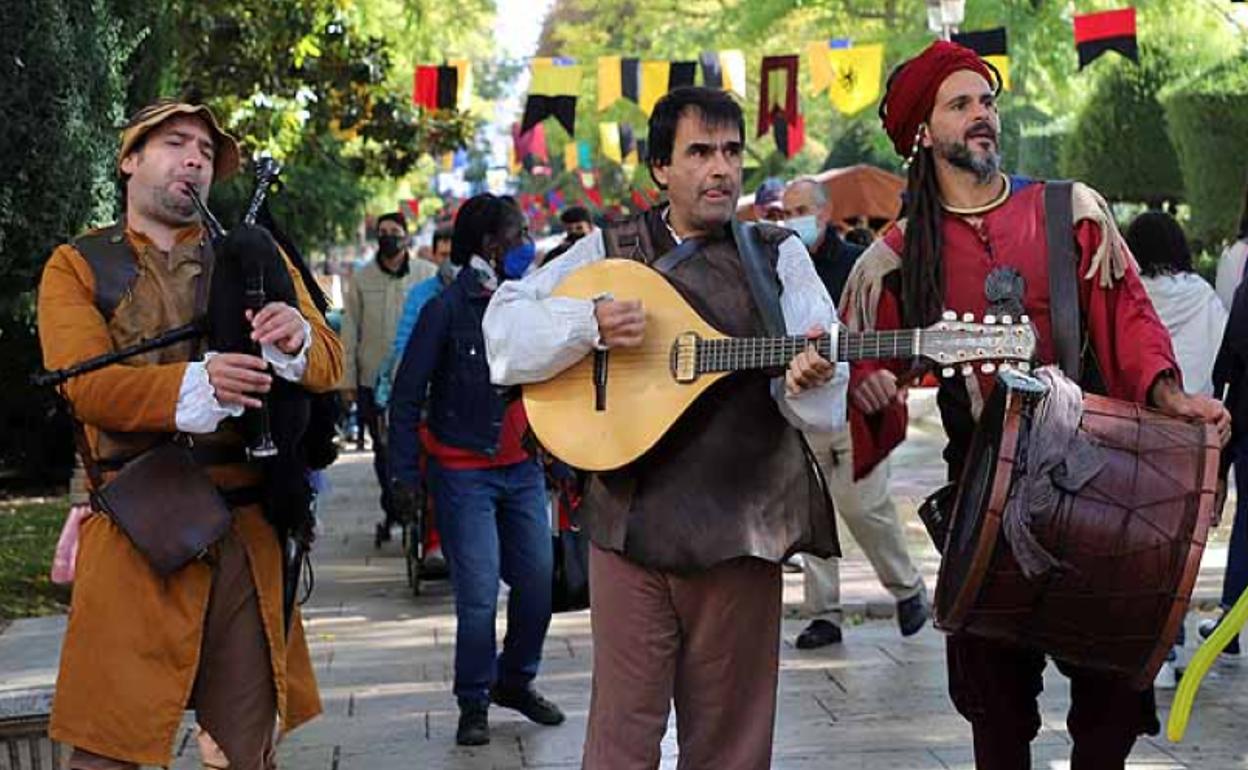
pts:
[62, 91]
[1119, 143]
[1208, 121]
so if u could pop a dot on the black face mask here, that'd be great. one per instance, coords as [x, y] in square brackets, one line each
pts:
[573, 237]
[389, 245]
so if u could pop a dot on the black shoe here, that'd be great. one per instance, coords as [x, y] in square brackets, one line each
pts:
[912, 613]
[528, 702]
[474, 724]
[381, 535]
[820, 633]
[1206, 629]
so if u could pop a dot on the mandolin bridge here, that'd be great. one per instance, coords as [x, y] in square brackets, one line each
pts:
[684, 358]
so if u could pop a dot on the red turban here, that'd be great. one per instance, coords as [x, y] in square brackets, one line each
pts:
[912, 89]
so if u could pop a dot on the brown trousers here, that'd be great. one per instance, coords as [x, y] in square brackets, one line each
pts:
[233, 697]
[708, 640]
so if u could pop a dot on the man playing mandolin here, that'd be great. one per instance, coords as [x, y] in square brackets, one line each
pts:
[975, 241]
[688, 539]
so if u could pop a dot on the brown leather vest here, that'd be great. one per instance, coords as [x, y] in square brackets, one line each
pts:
[731, 478]
[152, 293]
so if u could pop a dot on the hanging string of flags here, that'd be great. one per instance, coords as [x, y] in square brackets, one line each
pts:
[850, 75]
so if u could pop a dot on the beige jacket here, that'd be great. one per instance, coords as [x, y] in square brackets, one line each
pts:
[374, 305]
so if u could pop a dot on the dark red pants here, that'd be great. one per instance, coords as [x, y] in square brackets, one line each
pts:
[995, 685]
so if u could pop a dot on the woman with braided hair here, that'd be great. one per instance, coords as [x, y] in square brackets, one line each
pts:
[974, 241]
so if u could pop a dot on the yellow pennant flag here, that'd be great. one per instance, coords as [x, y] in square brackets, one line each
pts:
[856, 74]
[571, 156]
[1002, 63]
[609, 141]
[610, 83]
[513, 162]
[554, 78]
[733, 64]
[820, 66]
[654, 76]
[463, 99]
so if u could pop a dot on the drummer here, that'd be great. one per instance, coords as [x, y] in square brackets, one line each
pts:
[974, 241]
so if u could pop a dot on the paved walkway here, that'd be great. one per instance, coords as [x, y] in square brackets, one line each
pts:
[384, 659]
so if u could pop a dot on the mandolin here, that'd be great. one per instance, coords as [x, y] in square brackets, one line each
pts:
[609, 408]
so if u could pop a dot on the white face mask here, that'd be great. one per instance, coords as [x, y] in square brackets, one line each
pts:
[807, 228]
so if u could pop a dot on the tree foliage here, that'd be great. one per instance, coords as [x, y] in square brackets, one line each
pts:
[1119, 143]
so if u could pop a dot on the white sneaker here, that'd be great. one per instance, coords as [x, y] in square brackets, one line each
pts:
[1167, 677]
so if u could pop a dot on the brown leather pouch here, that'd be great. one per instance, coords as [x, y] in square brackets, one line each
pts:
[167, 505]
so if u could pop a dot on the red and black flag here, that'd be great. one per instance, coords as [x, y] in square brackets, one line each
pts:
[790, 137]
[436, 88]
[1096, 33]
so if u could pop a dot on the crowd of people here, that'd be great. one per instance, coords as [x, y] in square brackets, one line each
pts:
[687, 543]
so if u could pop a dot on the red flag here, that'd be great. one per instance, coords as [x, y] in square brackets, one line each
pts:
[425, 87]
[413, 205]
[1096, 33]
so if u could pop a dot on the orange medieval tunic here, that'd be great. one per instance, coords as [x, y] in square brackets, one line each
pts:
[132, 646]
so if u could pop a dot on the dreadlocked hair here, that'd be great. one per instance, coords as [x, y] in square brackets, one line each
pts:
[922, 272]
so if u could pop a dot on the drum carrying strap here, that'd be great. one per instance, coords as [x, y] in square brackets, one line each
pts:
[1067, 326]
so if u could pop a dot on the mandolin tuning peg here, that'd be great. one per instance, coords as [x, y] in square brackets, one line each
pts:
[1024, 319]
[1005, 366]
[1007, 319]
[968, 317]
[947, 372]
[1024, 367]
[988, 368]
[949, 315]
[989, 320]
[967, 370]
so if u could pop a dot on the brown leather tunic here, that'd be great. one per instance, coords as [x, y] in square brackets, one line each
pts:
[731, 478]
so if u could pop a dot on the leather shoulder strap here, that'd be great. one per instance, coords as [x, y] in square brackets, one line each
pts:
[1063, 281]
[111, 262]
[764, 285]
[629, 239]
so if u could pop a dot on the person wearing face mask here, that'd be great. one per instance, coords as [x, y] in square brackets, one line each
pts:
[488, 488]
[864, 505]
[373, 307]
[577, 223]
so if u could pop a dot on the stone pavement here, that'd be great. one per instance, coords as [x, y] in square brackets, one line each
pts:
[384, 660]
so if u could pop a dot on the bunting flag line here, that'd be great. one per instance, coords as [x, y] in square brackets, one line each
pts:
[856, 75]
[654, 82]
[436, 87]
[683, 73]
[531, 144]
[990, 44]
[628, 145]
[630, 79]
[733, 65]
[584, 155]
[610, 81]
[821, 73]
[777, 91]
[712, 70]
[1096, 33]
[571, 156]
[790, 137]
[609, 141]
[552, 92]
[463, 97]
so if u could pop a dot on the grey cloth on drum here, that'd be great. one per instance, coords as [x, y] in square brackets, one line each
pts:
[1059, 459]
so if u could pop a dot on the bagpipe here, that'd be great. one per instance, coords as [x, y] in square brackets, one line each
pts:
[293, 431]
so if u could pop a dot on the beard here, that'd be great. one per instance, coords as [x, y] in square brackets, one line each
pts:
[984, 166]
[172, 207]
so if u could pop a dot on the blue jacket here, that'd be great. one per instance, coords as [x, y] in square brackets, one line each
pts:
[417, 296]
[446, 360]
